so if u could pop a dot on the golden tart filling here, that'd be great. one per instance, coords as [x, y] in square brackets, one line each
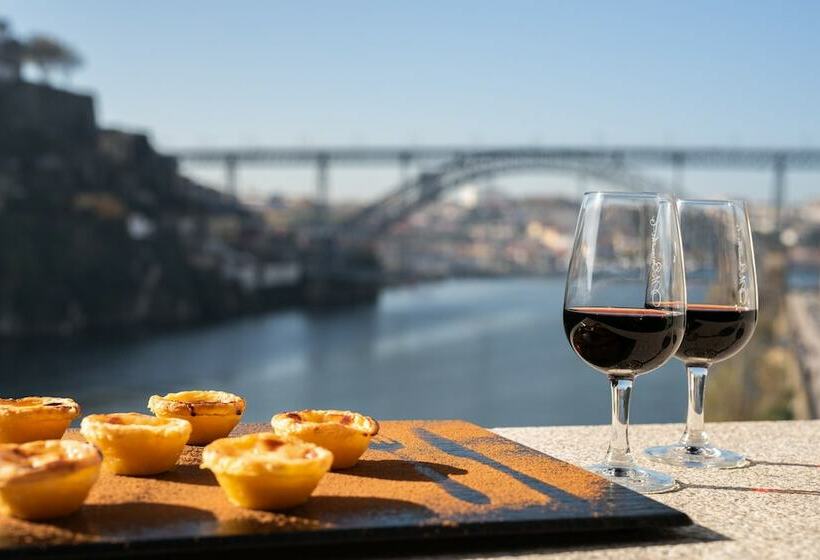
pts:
[35, 418]
[212, 414]
[266, 471]
[136, 444]
[346, 434]
[43, 479]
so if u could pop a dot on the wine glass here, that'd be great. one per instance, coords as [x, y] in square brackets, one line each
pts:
[720, 317]
[624, 307]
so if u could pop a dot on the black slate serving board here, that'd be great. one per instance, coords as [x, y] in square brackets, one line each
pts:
[420, 482]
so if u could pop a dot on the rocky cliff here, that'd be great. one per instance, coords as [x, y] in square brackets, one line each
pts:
[99, 231]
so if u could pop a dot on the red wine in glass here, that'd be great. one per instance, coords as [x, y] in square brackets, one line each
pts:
[715, 332]
[720, 317]
[623, 341]
[624, 308]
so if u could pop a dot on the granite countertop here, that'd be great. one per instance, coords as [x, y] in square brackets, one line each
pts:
[770, 509]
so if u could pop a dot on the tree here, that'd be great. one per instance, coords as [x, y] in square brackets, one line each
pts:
[48, 54]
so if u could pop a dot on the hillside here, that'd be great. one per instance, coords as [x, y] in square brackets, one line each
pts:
[99, 231]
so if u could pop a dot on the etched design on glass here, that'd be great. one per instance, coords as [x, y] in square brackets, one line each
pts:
[655, 266]
[742, 269]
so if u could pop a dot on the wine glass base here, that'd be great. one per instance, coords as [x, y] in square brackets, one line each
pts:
[640, 480]
[696, 457]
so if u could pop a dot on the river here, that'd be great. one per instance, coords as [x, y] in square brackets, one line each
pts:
[491, 351]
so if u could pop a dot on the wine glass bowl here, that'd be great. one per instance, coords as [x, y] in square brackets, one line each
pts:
[720, 318]
[624, 307]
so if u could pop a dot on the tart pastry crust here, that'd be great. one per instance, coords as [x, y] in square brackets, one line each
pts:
[35, 418]
[44, 479]
[212, 414]
[265, 471]
[346, 434]
[136, 444]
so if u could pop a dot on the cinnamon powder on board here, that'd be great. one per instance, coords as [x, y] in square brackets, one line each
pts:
[416, 472]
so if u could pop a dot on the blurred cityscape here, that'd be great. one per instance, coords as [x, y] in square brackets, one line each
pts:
[101, 234]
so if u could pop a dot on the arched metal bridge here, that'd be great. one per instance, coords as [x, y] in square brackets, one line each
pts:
[428, 186]
[339, 263]
[454, 165]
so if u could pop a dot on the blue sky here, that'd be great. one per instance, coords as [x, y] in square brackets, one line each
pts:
[554, 73]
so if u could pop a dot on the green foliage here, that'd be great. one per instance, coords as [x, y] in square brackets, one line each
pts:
[760, 382]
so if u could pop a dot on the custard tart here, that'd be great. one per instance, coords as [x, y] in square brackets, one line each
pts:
[136, 444]
[212, 414]
[44, 479]
[35, 418]
[346, 434]
[265, 471]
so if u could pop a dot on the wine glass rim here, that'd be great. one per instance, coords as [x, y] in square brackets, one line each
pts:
[712, 201]
[629, 194]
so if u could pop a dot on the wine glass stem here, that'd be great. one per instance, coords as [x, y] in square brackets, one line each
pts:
[619, 454]
[694, 435]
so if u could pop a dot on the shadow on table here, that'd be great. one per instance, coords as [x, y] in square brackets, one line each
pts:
[509, 546]
[523, 545]
[330, 511]
[152, 520]
[408, 471]
[757, 490]
[188, 474]
[754, 463]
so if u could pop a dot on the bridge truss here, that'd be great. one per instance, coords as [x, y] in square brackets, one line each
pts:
[450, 166]
[417, 192]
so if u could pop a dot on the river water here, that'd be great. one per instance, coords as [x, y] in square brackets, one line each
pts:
[490, 351]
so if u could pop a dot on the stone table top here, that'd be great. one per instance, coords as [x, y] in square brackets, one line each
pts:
[770, 509]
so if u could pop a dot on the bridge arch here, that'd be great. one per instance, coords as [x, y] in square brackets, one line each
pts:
[419, 191]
